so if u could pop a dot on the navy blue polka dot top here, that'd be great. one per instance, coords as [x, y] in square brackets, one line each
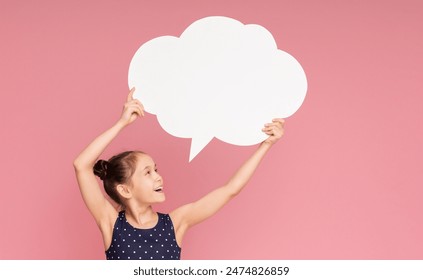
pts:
[157, 243]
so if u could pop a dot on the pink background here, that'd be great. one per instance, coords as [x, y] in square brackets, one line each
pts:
[345, 182]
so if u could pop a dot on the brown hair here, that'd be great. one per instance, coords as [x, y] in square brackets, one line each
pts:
[117, 170]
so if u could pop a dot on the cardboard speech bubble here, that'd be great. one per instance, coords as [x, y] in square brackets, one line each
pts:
[220, 79]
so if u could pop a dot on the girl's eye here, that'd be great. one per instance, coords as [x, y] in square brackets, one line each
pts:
[156, 170]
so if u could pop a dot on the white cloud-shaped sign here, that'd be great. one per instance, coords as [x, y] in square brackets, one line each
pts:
[220, 79]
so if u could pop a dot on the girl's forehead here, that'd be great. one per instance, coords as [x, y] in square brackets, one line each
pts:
[144, 161]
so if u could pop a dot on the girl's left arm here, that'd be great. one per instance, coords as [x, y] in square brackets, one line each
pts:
[193, 213]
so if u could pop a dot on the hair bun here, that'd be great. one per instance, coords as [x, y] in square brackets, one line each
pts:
[100, 168]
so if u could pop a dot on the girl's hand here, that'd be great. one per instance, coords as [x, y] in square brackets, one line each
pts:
[275, 130]
[132, 109]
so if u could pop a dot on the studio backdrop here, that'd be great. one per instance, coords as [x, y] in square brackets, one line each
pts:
[344, 182]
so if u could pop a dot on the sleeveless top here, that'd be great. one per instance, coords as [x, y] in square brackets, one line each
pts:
[130, 243]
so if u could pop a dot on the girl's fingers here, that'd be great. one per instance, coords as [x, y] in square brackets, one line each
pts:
[130, 95]
[276, 123]
[268, 127]
[268, 130]
[139, 104]
[273, 128]
[139, 113]
[139, 110]
[134, 102]
[134, 108]
[272, 125]
[278, 120]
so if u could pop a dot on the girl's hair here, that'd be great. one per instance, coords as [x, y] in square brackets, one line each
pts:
[117, 170]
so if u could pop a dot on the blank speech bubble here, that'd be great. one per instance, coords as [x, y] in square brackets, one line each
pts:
[220, 79]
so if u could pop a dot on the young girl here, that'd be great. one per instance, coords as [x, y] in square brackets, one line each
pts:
[132, 181]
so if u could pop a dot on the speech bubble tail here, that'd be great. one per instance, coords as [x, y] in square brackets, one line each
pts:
[197, 144]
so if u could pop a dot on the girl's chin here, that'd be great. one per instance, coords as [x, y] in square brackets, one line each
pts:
[162, 198]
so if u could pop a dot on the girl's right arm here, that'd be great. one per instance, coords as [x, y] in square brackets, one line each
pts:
[100, 208]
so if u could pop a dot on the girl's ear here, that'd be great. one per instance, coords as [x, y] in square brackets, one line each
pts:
[124, 191]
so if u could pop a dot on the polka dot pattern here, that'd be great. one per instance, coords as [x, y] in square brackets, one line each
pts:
[157, 243]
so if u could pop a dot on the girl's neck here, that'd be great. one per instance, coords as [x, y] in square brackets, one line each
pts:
[142, 217]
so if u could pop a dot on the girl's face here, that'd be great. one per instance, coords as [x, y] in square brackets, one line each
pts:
[147, 184]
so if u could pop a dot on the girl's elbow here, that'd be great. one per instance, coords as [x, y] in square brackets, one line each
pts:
[233, 194]
[233, 190]
[76, 164]
[79, 165]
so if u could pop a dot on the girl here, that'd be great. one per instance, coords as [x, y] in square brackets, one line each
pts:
[132, 181]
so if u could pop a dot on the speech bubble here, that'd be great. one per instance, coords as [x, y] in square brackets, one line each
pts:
[220, 79]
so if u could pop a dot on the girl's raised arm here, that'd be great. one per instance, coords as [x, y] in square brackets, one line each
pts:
[100, 208]
[193, 213]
